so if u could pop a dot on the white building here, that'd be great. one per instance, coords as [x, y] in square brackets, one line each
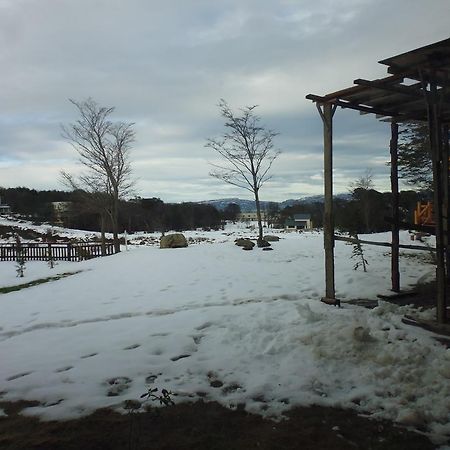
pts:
[251, 216]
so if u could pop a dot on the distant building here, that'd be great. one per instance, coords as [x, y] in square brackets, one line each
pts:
[299, 222]
[61, 209]
[4, 209]
[251, 216]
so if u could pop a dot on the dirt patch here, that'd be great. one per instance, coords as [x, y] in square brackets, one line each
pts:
[205, 426]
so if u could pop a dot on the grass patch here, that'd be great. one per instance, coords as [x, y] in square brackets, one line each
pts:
[18, 287]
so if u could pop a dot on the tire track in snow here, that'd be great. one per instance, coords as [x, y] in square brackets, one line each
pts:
[64, 323]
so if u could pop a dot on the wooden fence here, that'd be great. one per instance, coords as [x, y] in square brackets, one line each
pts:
[56, 252]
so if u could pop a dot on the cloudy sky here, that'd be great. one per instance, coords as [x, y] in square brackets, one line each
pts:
[164, 65]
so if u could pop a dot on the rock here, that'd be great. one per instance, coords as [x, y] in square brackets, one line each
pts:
[271, 238]
[263, 243]
[267, 249]
[175, 240]
[411, 418]
[246, 244]
[362, 334]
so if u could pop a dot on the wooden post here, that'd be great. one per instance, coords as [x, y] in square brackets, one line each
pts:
[446, 204]
[326, 113]
[436, 156]
[395, 272]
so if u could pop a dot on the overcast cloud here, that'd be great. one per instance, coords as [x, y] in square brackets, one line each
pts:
[165, 65]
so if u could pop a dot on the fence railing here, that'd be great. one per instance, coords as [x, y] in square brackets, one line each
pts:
[56, 252]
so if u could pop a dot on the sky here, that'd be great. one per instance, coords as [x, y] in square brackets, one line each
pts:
[165, 65]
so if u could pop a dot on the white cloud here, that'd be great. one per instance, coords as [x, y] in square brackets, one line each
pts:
[165, 66]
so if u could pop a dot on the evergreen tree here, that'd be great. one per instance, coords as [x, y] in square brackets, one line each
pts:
[414, 159]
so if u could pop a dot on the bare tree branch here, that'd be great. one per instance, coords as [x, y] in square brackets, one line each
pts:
[248, 150]
[104, 148]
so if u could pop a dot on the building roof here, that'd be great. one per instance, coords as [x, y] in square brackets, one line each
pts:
[302, 216]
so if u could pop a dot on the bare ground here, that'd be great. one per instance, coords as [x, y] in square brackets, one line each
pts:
[205, 426]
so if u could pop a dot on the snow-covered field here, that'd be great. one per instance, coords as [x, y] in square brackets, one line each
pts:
[212, 321]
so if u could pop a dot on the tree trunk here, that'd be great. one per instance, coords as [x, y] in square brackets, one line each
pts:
[115, 228]
[102, 231]
[258, 216]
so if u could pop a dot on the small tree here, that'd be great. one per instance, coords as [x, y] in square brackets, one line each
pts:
[104, 148]
[20, 257]
[358, 254]
[248, 151]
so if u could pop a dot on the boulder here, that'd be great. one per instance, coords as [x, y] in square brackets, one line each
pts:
[263, 243]
[246, 244]
[271, 238]
[175, 240]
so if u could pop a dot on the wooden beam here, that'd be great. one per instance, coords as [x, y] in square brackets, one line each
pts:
[430, 229]
[394, 88]
[395, 271]
[328, 223]
[446, 202]
[355, 106]
[383, 244]
[434, 127]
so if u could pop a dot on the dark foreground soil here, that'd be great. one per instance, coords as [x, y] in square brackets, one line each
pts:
[205, 426]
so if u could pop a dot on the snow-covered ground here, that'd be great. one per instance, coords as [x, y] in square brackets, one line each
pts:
[212, 321]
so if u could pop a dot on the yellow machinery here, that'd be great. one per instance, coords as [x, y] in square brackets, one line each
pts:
[423, 214]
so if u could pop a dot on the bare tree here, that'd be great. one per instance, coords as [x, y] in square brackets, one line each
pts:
[248, 151]
[103, 147]
[361, 189]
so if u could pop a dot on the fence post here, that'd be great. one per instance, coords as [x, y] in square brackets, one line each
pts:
[69, 252]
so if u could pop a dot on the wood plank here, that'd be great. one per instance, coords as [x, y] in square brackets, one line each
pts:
[382, 244]
[395, 271]
[439, 328]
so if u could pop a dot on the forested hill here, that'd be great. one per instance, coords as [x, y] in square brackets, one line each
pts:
[249, 205]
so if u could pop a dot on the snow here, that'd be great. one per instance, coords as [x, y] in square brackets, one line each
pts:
[212, 321]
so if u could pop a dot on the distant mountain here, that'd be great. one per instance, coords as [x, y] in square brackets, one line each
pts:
[222, 203]
[249, 205]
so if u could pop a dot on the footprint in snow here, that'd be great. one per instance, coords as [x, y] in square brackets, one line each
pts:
[90, 355]
[117, 386]
[176, 358]
[151, 378]
[203, 326]
[63, 369]
[18, 375]
[132, 347]
[197, 339]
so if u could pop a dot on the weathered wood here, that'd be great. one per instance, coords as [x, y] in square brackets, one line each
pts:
[443, 329]
[57, 251]
[446, 194]
[357, 107]
[397, 295]
[434, 127]
[395, 88]
[395, 270]
[328, 223]
[383, 244]
[411, 226]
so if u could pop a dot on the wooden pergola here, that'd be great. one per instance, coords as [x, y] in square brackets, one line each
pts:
[417, 88]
